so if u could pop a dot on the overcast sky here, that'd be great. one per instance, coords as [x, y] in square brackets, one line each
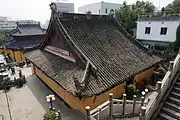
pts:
[39, 9]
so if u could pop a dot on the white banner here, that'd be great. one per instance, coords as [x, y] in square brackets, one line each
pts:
[60, 52]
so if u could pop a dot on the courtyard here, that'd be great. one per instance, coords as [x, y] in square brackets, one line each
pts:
[29, 102]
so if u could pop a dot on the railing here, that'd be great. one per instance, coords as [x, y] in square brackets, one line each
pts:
[162, 88]
[118, 108]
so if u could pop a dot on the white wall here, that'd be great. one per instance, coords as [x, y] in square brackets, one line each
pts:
[94, 8]
[65, 7]
[155, 30]
[109, 6]
[102, 6]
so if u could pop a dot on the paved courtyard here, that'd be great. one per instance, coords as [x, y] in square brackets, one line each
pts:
[29, 103]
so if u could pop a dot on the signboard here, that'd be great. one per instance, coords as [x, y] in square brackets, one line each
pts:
[60, 52]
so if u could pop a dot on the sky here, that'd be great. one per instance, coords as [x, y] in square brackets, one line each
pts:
[39, 9]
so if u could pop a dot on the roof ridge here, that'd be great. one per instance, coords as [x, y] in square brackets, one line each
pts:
[62, 27]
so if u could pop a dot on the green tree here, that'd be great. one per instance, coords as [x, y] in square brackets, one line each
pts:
[176, 5]
[173, 8]
[130, 91]
[127, 16]
[2, 36]
[50, 115]
[177, 42]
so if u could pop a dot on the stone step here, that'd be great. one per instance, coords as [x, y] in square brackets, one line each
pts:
[177, 89]
[177, 84]
[164, 116]
[172, 106]
[173, 100]
[175, 94]
[171, 112]
[130, 118]
[158, 119]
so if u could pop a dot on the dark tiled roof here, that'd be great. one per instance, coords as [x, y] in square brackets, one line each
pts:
[62, 71]
[24, 30]
[59, 69]
[166, 18]
[25, 44]
[115, 56]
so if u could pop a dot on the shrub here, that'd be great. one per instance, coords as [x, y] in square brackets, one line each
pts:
[177, 42]
[130, 91]
[50, 115]
[20, 81]
[161, 47]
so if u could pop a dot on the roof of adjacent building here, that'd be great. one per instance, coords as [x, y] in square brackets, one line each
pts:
[23, 44]
[20, 36]
[165, 18]
[27, 29]
[100, 41]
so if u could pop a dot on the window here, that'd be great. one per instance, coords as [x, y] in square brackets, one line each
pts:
[163, 31]
[105, 10]
[147, 30]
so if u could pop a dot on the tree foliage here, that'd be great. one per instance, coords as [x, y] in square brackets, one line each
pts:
[173, 8]
[177, 42]
[2, 36]
[127, 15]
[130, 91]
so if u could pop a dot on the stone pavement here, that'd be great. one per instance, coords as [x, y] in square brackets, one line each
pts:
[23, 104]
[40, 91]
[4, 111]
[20, 104]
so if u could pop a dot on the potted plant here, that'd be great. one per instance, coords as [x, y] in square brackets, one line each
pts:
[50, 115]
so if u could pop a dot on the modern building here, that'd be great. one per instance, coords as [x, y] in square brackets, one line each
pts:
[7, 25]
[65, 7]
[85, 57]
[101, 8]
[27, 35]
[157, 30]
[2, 18]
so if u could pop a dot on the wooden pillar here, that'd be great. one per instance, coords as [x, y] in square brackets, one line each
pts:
[143, 113]
[124, 103]
[88, 113]
[13, 55]
[158, 85]
[134, 103]
[110, 105]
